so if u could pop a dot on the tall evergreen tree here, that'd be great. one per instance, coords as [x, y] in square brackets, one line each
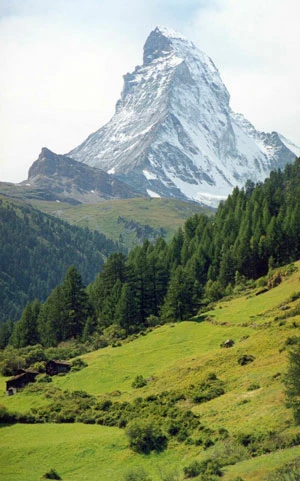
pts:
[292, 381]
[25, 330]
[127, 310]
[77, 307]
[6, 330]
[52, 318]
[178, 303]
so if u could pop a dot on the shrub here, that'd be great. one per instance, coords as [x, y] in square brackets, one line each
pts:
[208, 468]
[294, 296]
[209, 389]
[245, 359]
[145, 437]
[169, 475]
[137, 474]
[246, 439]
[114, 333]
[52, 474]
[292, 341]
[138, 382]
[39, 366]
[192, 470]
[11, 361]
[105, 405]
[6, 417]
[78, 364]
[253, 387]
[224, 434]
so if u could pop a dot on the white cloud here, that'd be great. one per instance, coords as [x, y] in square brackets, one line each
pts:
[63, 62]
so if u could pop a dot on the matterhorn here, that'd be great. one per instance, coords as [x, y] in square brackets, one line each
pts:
[174, 134]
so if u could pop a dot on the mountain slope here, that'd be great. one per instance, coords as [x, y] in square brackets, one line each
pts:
[35, 252]
[177, 355]
[131, 220]
[173, 133]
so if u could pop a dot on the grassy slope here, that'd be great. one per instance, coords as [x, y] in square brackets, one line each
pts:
[166, 213]
[174, 356]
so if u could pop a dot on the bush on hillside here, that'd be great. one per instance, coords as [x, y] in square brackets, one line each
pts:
[145, 436]
[52, 474]
[78, 364]
[245, 359]
[139, 381]
[209, 468]
[137, 474]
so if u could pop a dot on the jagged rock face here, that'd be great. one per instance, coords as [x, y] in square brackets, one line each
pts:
[57, 177]
[173, 133]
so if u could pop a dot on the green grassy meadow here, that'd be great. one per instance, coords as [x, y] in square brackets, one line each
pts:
[172, 356]
[144, 211]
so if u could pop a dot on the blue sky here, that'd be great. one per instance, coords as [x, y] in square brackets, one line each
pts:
[63, 63]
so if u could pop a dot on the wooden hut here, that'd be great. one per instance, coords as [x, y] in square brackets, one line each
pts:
[54, 367]
[22, 378]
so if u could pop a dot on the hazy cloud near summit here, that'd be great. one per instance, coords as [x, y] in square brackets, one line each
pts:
[63, 62]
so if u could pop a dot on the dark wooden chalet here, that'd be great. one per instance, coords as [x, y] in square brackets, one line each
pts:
[22, 378]
[54, 367]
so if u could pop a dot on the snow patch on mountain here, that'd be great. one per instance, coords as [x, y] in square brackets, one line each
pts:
[174, 134]
[290, 145]
[152, 194]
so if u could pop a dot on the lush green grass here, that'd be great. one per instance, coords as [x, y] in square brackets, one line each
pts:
[258, 468]
[76, 452]
[172, 356]
[158, 213]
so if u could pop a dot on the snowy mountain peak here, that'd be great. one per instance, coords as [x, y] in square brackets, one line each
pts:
[161, 42]
[174, 134]
[169, 32]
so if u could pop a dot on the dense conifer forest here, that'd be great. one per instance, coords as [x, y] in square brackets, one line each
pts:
[256, 229]
[35, 252]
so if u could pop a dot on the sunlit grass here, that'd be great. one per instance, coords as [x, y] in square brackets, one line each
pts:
[172, 356]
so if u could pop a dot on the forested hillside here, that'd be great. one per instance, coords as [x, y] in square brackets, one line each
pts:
[35, 252]
[254, 231]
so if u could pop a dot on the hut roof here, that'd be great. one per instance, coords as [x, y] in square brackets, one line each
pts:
[58, 361]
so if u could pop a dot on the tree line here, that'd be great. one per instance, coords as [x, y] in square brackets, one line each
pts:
[256, 229]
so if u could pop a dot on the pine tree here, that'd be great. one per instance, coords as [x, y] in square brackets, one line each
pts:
[6, 330]
[52, 319]
[292, 381]
[25, 330]
[178, 303]
[77, 307]
[127, 310]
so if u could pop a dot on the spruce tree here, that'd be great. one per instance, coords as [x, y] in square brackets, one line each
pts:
[292, 381]
[25, 330]
[52, 319]
[77, 307]
[127, 310]
[178, 303]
